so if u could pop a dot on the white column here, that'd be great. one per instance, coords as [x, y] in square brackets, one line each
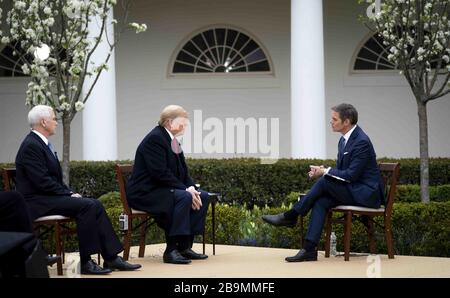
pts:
[308, 121]
[99, 114]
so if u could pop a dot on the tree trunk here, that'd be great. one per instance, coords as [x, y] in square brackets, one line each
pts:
[424, 158]
[66, 150]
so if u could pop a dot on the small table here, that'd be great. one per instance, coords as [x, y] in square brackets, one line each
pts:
[213, 198]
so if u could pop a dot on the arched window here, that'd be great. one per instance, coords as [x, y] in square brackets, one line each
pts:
[220, 49]
[372, 55]
[10, 63]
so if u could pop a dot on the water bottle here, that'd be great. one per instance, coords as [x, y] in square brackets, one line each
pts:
[123, 222]
[333, 241]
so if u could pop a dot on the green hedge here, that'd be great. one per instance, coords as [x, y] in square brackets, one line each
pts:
[245, 180]
[411, 193]
[419, 229]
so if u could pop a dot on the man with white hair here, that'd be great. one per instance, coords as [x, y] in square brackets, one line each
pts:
[39, 180]
[160, 184]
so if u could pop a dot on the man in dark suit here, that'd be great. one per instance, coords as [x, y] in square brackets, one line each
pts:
[356, 180]
[160, 184]
[39, 180]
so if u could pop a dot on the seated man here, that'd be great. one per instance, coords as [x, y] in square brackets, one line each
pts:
[39, 180]
[160, 185]
[356, 180]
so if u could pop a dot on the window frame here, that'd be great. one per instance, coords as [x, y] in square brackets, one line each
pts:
[190, 36]
[353, 71]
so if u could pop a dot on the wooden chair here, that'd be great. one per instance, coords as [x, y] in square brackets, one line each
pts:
[390, 173]
[58, 223]
[123, 172]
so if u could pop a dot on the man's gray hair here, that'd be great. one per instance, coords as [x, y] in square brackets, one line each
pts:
[37, 113]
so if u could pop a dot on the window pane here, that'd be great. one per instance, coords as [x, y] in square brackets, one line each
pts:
[200, 42]
[242, 39]
[191, 49]
[231, 36]
[220, 35]
[251, 46]
[182, 56]
[178, 67]
[260, 66]
[209, 36]
[257, 55]
[363, 65]
[366, 54]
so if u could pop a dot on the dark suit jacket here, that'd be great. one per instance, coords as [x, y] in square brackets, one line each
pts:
[357, 164]
[157, 172]
[38, 174]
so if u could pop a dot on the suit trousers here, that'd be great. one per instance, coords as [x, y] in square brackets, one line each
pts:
[325, 194]
[185, 220]
[94, 229]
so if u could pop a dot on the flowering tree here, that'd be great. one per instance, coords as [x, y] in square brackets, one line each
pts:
[62, 27]
[417, 32]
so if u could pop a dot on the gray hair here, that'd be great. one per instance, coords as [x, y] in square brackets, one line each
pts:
[37, 113]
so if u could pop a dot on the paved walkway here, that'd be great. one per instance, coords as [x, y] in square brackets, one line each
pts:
[244, 261]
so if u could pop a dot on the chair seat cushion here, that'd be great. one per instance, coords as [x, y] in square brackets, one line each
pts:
[358, 208]
[134, 211]
[51, 217]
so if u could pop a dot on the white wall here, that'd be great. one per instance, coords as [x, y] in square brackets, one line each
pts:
[143, 87]
[14, 124]
[387, 108]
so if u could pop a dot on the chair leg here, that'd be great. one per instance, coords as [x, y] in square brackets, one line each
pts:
[58, 248]
[389, 238]
[347, 235]
[63, 251]
[328, 233]
[302, 240]
[213, 218]
[371, 234]
[126, 244]
[142, 238]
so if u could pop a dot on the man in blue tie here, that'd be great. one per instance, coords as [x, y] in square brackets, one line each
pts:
[356, 180]
[39, 180]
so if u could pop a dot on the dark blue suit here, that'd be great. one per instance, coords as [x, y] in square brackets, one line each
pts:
[357, 164]
[158, 185]
[39, 180]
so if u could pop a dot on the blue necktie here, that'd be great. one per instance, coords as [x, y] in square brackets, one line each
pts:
[341, 145]
[52, 150]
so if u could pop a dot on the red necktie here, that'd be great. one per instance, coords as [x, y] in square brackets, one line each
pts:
[176, 148]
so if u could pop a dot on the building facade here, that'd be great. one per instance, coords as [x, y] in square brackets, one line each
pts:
[298, 71]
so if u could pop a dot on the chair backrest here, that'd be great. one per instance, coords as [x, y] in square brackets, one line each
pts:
[389, 173]
[123, 172]
[9, 179]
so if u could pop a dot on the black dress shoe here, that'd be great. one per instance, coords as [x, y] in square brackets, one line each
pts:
[52, 260]
[91, 267]
[190, 254]
[303, 256]
[120, 264]
[279, 220]
[174, 257]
